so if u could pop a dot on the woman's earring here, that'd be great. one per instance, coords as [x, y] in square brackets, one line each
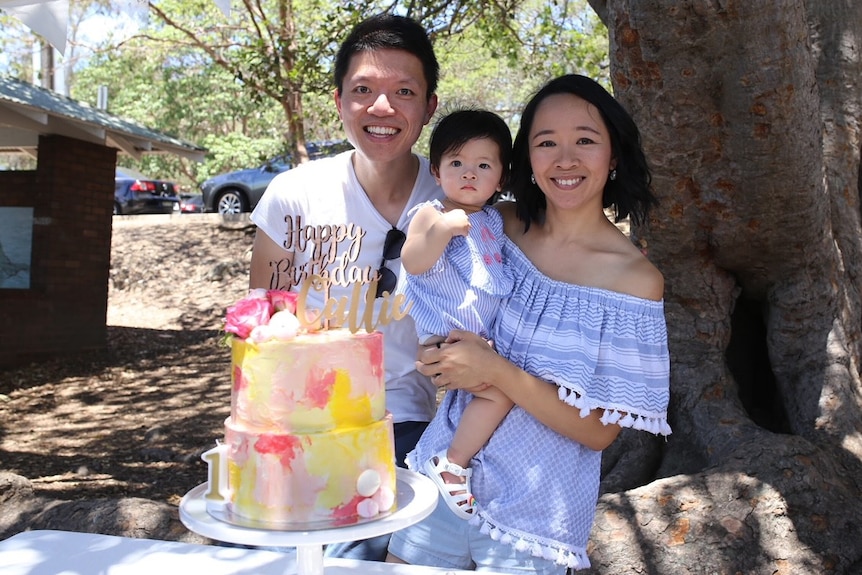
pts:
[533, 178]
[613, 175]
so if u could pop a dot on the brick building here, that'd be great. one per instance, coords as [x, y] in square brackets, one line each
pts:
[63, 209]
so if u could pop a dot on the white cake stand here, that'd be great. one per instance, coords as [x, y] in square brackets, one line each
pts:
[415, 495]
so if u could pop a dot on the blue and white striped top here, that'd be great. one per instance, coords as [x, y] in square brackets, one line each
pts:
[463, 289]
[536, 489]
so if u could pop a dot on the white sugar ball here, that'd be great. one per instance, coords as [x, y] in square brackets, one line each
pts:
[283, 325]
[368, 483]
[385, 498]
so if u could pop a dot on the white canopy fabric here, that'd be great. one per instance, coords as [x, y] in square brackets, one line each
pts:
[224, 6]
[48, 18]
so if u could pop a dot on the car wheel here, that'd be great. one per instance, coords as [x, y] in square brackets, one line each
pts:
[231, 202]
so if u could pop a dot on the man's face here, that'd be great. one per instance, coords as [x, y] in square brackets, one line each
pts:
[383, 103]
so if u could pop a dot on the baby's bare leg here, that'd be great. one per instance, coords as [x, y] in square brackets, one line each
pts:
[480, 418]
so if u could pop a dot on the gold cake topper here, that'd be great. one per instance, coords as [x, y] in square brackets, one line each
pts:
[328, 266]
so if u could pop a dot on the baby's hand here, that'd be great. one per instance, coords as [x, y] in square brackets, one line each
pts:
[457, 222]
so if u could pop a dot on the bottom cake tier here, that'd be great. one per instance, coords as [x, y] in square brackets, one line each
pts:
[307, 481]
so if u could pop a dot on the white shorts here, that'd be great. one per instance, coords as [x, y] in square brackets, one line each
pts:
[444, 540]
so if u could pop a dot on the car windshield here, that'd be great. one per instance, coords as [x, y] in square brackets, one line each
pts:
[280, 163]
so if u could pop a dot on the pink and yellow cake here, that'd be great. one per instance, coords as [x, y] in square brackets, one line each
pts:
[308, 442]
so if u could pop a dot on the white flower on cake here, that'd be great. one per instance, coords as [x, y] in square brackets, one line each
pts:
[283, 325]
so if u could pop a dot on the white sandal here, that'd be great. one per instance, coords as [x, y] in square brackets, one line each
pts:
[462, 504]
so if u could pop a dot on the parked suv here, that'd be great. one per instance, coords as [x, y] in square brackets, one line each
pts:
[240, 191]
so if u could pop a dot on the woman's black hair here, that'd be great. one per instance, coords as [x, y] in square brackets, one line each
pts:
[457, 128]
[629, 193]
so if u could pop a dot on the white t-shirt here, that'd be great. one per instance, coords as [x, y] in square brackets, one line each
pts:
[341, 234]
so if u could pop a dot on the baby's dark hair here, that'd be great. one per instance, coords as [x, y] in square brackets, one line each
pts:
[457, 128]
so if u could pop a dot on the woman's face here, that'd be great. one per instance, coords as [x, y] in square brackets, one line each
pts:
[570, 151]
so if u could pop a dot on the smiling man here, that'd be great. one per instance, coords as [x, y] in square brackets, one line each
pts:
[386, 78]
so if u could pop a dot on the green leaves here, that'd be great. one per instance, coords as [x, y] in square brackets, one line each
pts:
[254, 84]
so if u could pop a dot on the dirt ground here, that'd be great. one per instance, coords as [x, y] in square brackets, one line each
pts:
[132, 421]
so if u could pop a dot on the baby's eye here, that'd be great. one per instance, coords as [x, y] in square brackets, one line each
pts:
[485, 166]
[455, 163]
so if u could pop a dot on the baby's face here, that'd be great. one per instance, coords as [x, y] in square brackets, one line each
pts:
[472, 174]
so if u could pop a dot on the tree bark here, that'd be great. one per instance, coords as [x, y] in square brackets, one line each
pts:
[750, 117]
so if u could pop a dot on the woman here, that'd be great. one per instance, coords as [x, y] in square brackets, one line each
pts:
[581, 345]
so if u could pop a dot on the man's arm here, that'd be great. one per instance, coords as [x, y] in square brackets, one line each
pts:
[270, 264]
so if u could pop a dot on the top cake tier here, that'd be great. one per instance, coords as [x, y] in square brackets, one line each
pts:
[315, 382]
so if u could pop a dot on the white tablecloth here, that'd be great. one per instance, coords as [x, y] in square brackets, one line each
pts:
[69, 553]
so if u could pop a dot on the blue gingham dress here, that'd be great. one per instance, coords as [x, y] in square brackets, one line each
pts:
[536, 489]
[463, 289]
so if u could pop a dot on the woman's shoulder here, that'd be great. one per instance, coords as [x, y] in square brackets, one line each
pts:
[630, 271]
[644, 279]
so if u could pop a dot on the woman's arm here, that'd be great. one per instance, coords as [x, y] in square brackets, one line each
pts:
[468, 359]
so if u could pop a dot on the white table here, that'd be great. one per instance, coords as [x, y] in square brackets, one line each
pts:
[68, 553]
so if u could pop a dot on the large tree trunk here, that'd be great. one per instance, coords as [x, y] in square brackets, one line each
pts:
[750, 114]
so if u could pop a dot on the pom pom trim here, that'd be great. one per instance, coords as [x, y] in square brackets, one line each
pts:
[525, 543]
[655, 423]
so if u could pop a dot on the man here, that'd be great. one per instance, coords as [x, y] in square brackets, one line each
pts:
[343, 217]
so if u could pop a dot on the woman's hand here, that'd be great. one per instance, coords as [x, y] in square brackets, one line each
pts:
[463, 361]
[466, 361]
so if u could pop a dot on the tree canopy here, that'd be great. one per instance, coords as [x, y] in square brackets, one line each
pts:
[258, 82]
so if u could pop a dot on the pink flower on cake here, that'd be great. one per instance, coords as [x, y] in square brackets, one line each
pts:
[263, 315]
[246, 314]
[283, 300]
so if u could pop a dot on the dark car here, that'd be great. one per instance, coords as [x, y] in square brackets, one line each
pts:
[240, 191]
[135, 193]
[191, 203]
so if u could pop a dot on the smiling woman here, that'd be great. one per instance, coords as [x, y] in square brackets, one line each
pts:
[580, 344]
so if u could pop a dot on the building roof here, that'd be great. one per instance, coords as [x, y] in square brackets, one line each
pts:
[28, 111]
